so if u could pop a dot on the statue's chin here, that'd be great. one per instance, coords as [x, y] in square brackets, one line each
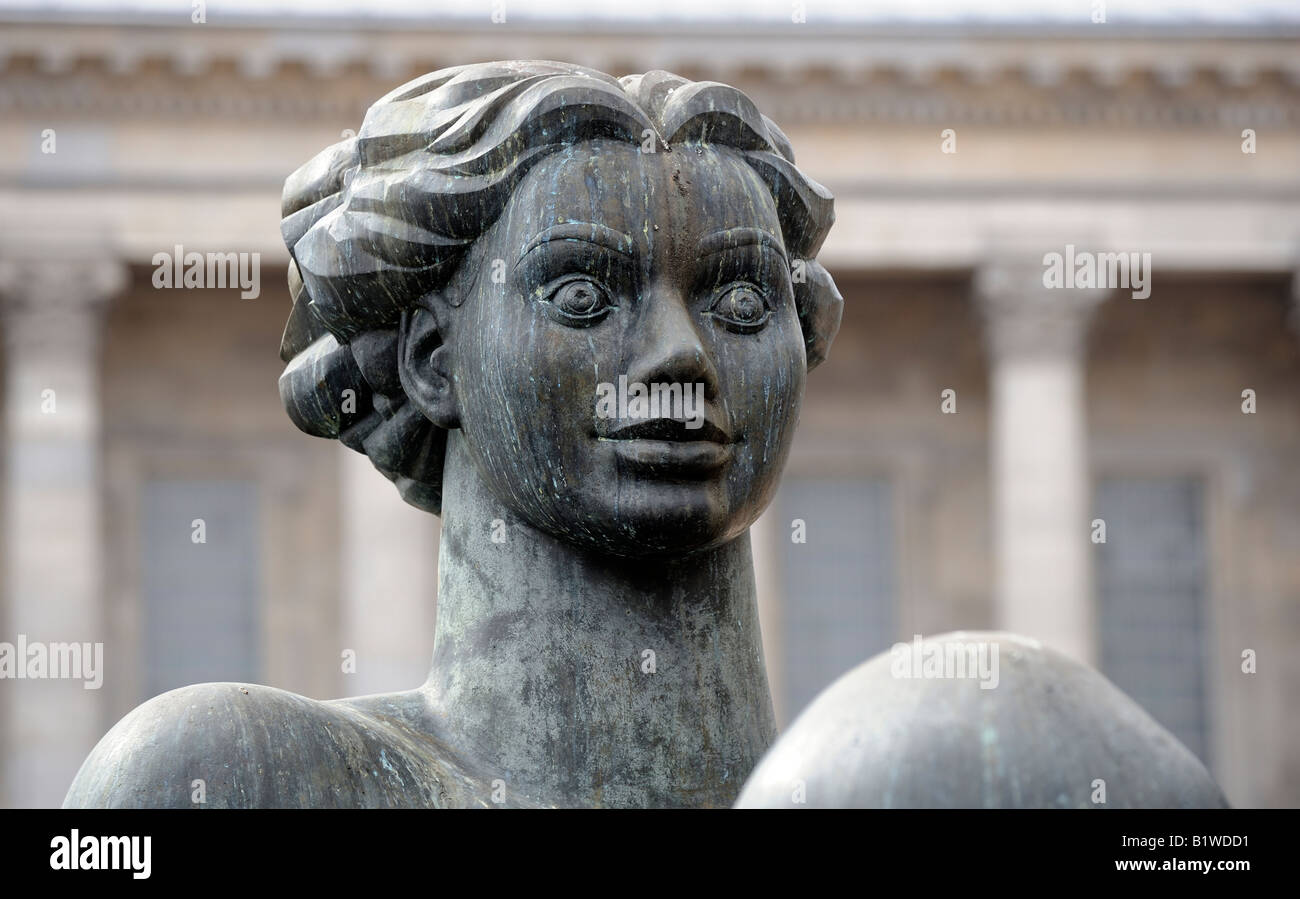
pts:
[672, 532]
[649, 552]
[638, 515]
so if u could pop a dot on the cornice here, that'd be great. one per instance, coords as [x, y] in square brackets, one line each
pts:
[807, 77]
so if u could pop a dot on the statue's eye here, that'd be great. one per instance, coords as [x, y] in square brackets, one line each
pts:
[741, 308]
[578, 302]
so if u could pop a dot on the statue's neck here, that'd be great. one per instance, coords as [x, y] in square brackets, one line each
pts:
[582, 679]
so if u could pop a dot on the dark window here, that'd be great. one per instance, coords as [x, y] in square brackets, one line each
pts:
[1151, 589]
[201, 600]
[838, 589]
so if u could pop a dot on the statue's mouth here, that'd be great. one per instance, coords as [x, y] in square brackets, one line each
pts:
[671, 447]
[673, 458]
[679, 430]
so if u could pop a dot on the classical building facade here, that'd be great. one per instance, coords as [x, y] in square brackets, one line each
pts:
[960, 456]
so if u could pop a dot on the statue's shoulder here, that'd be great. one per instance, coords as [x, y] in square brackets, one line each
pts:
[231, 745]
[977, 720]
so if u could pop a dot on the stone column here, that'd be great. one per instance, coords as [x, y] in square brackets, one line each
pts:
[51, 307]
[1040, 477]
[390, 581]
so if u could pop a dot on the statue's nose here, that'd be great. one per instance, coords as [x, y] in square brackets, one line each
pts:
[669, 345]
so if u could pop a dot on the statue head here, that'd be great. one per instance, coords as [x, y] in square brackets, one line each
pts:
[518, 261]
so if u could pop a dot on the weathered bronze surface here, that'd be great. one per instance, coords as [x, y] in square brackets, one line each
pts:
[498, 245]
[1032, 730]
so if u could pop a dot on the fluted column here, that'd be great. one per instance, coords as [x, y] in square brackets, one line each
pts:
[1040, 479]
[51, 308]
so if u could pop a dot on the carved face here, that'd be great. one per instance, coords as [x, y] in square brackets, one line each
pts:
[665, 268]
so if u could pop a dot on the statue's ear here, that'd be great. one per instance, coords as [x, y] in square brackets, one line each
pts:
[424, 364]
[820, 307]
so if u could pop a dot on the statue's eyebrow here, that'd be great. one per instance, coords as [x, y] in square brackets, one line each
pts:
[732, 238]
[589, 232]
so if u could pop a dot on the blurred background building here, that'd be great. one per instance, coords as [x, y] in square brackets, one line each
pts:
[960, 150]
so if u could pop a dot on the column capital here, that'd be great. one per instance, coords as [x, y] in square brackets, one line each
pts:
[1024, 317]
[51, 303]
[59, 280]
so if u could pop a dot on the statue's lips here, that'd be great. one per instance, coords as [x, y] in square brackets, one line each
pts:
[668, 429]
[666, 446]
[672, 457]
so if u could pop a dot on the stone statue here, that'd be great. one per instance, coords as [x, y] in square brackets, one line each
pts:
[572, 315]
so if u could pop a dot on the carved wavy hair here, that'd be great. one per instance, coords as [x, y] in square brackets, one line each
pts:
[381, 219]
